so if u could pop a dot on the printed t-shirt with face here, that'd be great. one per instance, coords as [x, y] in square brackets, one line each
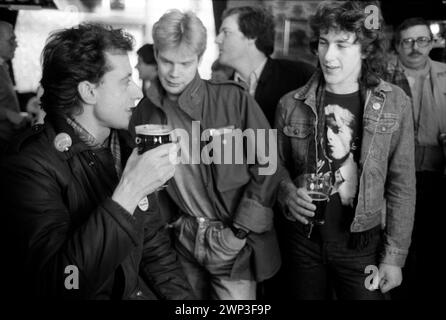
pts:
[339, 152]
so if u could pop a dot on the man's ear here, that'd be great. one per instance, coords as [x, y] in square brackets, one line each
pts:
[87, 92]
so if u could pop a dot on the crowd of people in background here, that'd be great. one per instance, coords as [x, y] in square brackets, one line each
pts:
[79, 197]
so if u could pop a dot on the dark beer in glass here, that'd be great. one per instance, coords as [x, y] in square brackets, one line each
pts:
[318, 187]
[150, 136]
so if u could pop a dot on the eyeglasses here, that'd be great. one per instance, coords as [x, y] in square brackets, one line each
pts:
[421, 42]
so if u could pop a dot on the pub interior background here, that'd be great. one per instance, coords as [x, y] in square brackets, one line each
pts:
[33, 21]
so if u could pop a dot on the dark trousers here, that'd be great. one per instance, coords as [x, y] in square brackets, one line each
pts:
[316, 270]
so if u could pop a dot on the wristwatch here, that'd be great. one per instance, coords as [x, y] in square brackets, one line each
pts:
[239, 233]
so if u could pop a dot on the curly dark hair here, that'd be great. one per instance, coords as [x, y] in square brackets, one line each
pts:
[255, 23]
[74, 55]
[350, 16]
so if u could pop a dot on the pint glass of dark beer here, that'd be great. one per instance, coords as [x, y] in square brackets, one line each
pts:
[150, 136]
[318, 187]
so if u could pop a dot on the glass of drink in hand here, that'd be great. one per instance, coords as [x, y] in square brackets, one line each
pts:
[318, 187]
[150, 136]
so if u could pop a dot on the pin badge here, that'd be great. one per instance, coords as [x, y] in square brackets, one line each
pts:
[144, 204]
[62, 142]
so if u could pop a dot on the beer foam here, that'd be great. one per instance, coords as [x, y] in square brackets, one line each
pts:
[318, 196]
[153, 129]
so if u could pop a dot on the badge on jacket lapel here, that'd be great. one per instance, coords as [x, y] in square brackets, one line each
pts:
[144, 204]
[62, 142]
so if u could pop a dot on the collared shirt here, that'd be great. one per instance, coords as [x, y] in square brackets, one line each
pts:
[426, 114]
[188, 188]
[253, 78]
[423, 87]
[416, 80]
[112, 141]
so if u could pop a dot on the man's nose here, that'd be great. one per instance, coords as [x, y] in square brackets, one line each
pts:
[330, 53]
[218, 39]
[136, 92]
[174, 71]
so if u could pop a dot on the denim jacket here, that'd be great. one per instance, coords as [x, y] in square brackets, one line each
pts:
[386, 168]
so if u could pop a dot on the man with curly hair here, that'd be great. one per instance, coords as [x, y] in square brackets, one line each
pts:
[73, 218]
[348, 123]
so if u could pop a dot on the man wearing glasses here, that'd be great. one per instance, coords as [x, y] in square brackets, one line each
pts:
[424, 81]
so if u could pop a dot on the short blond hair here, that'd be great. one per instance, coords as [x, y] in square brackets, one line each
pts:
[177, 28]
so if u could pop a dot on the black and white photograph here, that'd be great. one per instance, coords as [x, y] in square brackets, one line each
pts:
[248, 154]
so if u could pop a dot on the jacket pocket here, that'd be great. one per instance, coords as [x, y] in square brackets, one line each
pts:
[298, 130]
[232, 154]
[381, 131]
[299, 135]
